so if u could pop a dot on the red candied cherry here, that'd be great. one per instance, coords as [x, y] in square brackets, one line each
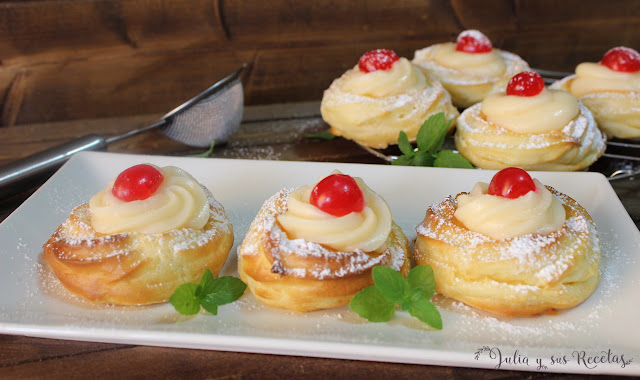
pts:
[338, 195]
[622, 59]
[527, 83]
[473, 41]
[511, 183]
[137, 183]
[381, 59]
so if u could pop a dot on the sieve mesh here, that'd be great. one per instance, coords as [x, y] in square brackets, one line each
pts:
[216, 117]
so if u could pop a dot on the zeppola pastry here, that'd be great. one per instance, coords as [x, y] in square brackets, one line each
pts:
[151, 230]
[611, 90]
[512, 247]
[381, 96]
[471, 68]
[530, 127]
[314, 247]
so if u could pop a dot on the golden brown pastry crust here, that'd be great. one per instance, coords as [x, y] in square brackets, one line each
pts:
[135, 268]
[489, 146]
[616, 113]
[521, 276]
[304, 276]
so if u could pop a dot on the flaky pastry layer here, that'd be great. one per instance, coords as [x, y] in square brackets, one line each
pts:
[135, 268]
[486, 145]
[521, 276]
[616, 113]
[305, 276]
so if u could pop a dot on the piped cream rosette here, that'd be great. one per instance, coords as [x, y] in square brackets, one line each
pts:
[139, 252]
[514, 257]
[548, 131]
[372, 108]
[469, 77]
[298, 257]
[612, 96]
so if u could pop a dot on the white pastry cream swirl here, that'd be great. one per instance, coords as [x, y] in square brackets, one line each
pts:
[548, 111]
[366, 230]
[486, 64]
[402, 77]
[179, 202]
[537, 212]
[593, 77]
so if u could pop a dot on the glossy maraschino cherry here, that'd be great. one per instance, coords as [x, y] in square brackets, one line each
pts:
[622, 59]
[526, 83]
[381, 59]
[473, 41]
[137, 183]
[511, 183]
[338, 195]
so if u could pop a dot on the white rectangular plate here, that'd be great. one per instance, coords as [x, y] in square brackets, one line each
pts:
[599, 336]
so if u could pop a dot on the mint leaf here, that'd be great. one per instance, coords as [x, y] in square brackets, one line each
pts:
[371, 304]
[422, 277]
[209, 293]
[425, 311]
[184, 299]
[423, 158]
[451, 159]
[324, 135]
[226, 289]
[404, 145]
[403, 161]
[432, 133]
[377, 303]
[206, 284]
[208, 152]
[209, 305]
[390, 283]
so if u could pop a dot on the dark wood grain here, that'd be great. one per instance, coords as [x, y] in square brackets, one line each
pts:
[77, 59]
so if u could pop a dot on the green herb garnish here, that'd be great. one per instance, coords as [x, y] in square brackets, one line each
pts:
[324, 135]
[208, 152]
[429, 143]
[377, 303]
[209, 294]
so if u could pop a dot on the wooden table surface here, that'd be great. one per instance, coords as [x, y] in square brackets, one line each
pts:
[275, 132]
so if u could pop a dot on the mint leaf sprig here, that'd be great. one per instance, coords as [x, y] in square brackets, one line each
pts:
[429, 142]
[209, 294]
[377, 303]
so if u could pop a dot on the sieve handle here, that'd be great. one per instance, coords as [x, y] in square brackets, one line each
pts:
[32, 170]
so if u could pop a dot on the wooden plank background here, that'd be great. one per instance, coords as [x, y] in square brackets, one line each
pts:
[79, 59]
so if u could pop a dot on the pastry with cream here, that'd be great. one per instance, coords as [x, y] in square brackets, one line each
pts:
[530, 127]
[611, 90]
[513, 247]
[381, 96]
[471, 68]
[314, 247]
[149, 231]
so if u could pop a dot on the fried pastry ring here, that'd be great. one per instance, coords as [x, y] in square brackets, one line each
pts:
[376, 121]
[489, 146]
[521, 276]
[467, 88]
[305, 276]
[135, 268]
[617, 113]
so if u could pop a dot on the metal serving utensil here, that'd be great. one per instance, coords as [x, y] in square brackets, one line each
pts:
[214, 114]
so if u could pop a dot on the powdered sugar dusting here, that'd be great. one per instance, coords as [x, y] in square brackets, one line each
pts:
[357, 261]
